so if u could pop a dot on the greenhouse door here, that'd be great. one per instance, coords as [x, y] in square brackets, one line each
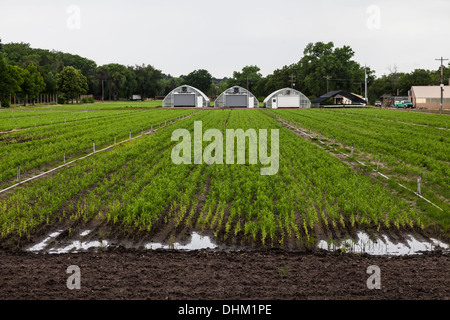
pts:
[236, 101]
[251, 102]
[199, 102]
[274, 103]
[184, 100]
[288, 101]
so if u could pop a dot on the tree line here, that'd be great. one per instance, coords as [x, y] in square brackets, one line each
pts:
[27, 72]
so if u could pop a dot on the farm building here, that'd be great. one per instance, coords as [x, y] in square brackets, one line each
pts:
[236, 97]
[429, 97]
[287, 98]
[340, 97]
[186, 96]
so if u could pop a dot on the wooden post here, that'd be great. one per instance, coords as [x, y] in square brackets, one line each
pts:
[93, 143]
[378, 163]
[418, 185]
[352, 151]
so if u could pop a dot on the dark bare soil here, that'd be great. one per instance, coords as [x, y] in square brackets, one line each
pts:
[221, 275]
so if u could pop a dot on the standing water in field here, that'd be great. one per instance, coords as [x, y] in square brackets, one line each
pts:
[44, 243]
[51, 245]
[383, 246]
[197, 242]
[410, 245]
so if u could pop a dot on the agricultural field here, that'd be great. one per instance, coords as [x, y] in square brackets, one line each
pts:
[340, 173]
[134, 189]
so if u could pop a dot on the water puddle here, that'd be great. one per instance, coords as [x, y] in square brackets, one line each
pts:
[77, 246]
[44, 243]
[383, 246]
[85, 233]
[363, 244]
[198, 242]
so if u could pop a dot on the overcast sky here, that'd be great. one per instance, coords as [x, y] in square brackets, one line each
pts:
[179, 36]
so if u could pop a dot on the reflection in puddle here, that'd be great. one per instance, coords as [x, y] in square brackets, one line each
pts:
[85, 233]
[383, 246]
[77, 245]
[198, 242]
[363, 244]
[44, 243]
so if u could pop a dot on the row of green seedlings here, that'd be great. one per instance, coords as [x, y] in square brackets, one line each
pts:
[386, 222]
[366, 142]
[350, 211]
[39, 201]
[21, 169]
[414, 119]
[50, 118]
[419, 179]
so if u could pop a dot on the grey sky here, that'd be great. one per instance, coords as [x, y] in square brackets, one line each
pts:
[179, 36]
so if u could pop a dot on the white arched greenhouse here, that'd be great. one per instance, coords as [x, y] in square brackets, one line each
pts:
[186, 96]
[236, 97]
[287, 98]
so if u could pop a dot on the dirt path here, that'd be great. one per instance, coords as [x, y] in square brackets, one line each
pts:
[207, 275]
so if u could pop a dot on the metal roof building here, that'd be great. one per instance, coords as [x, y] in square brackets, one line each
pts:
[236, 97]
[344, 95]
[287, 98]
[186, 96]
[429, 97]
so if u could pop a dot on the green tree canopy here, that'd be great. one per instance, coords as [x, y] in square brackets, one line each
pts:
[200, 79]
[33, 83]
[249, 75]
[71, 82]
[11, 78]
[322, 61]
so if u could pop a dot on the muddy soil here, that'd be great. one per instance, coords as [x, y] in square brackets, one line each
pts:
[210, 275]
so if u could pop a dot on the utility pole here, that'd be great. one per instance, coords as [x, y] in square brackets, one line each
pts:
[292, 80]
[103, 91]
[442, 82]
[328, 79]
[365, 84]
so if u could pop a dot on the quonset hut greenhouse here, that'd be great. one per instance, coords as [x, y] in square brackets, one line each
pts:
[186, 96]
[236, 97]
[287, 98]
